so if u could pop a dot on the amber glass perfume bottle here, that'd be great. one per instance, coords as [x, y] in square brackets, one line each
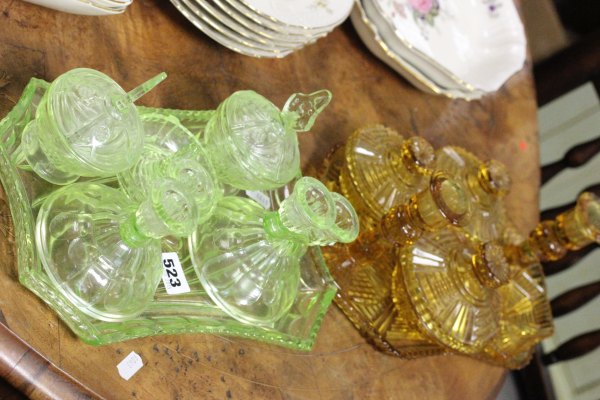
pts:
[446, 284]
[363, 269]
[377, 169]
[487, 184]
[526, 314]
[442, 270]
[444, 202]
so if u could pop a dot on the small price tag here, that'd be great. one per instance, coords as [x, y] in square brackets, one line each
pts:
[130, 365]
[260, 198]
[173, 277]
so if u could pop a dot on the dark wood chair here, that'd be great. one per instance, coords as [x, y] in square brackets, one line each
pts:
[534, 380]
[571, 67]
[564, 66]
[556, 75]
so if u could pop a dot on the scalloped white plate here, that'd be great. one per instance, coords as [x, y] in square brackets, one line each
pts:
[243, 34]
[482, 42]
[235, 11]
[222, 34]
[377, 35]
[87, 7]
[307, 14]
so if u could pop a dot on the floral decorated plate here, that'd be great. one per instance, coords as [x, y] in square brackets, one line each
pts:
[449, 84]
[482, 42]
[375, 33]
[368, 33]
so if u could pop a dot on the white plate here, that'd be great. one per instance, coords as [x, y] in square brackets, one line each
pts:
[110, 3]
[253, 24]
[216, 27]
[432, 68]
[77, 7]
[308, 14]
[275, 25]
[222, 35]
[246, 35]
[201, 9]
[415, 74]
[449, 84]
[370, 37]
[482, 42]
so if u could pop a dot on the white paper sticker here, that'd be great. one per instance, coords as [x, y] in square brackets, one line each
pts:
[130, 365]
[173, 277]
[260, 198]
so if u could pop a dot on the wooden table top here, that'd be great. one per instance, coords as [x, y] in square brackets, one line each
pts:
[152, 37]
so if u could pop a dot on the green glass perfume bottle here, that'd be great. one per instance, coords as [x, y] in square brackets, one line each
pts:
[101, 252]
[247, 258]
[253, 145]
[85, 125]
[172, 152]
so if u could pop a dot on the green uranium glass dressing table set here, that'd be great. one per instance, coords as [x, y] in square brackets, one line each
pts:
[99, 188]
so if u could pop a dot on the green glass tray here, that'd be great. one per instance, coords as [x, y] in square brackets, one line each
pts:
[192, 312]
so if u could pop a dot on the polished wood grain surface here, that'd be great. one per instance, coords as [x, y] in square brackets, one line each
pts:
[152, 37]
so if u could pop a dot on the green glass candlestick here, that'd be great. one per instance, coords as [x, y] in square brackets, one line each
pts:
[171, 151]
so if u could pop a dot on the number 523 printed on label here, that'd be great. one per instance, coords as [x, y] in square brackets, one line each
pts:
[173, 277]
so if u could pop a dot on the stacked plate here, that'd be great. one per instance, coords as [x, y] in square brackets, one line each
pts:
[265, 28]
[457, 48]
[86, 7]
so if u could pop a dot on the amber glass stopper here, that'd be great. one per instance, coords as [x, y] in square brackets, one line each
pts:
[582, 226]
[443, 203]
[490, 265]
[494, 178]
